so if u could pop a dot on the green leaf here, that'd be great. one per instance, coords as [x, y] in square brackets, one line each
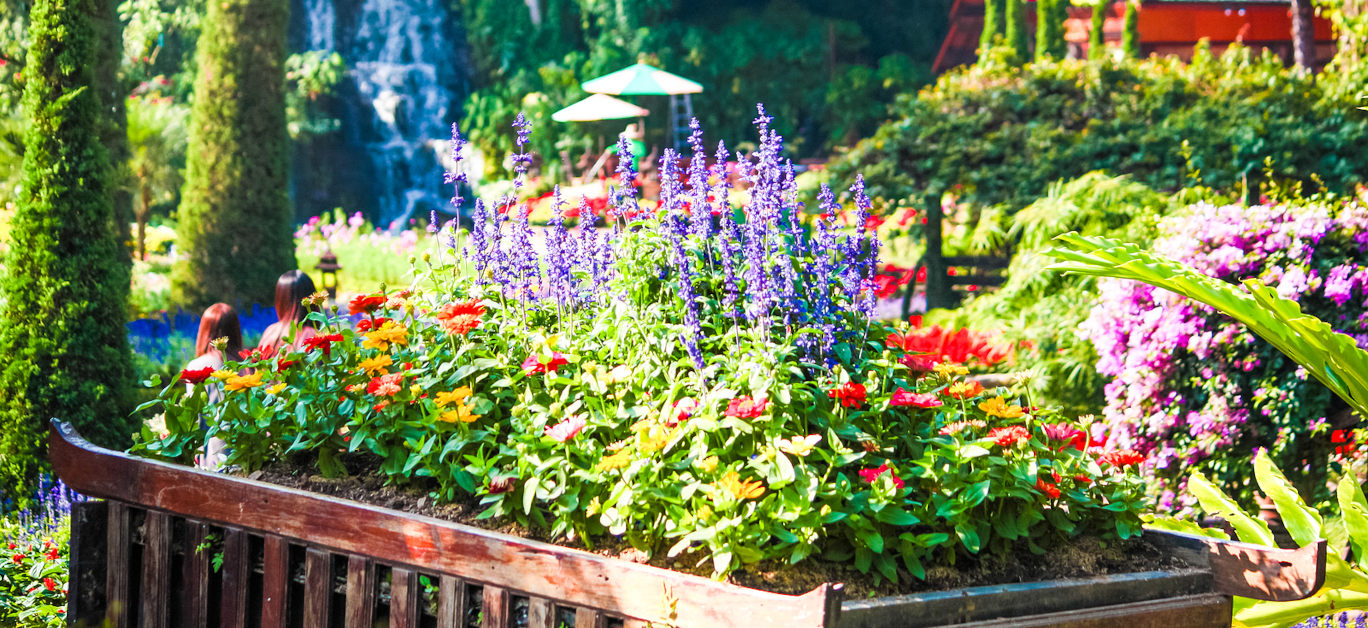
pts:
[1354, 510]
[893, 515]
[969, 537]
[1215, 502]
[529, 495]
[1174, 524]
[1303, 523]
[973, 451]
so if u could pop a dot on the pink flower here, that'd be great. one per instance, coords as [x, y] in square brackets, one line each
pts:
[1066, 432]
[567, 429]
[683, 409]
[872, 475]
[533, 364]
[921, 400]
[747, 408]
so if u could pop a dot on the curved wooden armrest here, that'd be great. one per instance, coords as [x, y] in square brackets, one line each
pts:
[1252, 571]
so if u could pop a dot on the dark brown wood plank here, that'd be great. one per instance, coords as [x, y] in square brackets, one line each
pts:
[450, 602]
[589, 618]
[1252, 571]
[233, 602]
[86, 601]
[540, 613]
[577, 577]
[156, 571]
[360, 591]
[116, 570]
[317, 587]
[1211, 610]
[495, 608]
[194, 584]
[404, 597]
[275, 581]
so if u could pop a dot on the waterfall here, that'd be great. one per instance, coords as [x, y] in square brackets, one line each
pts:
[406, 68]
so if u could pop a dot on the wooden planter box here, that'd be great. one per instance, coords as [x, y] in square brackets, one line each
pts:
[143, 556]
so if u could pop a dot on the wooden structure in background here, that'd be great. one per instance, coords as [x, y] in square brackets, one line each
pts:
[947, 277]
[144, 557]
[1167, 27]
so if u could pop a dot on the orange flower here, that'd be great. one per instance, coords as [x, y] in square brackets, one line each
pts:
[732, 484]
[461, 318]
[243, 382]
[390, 332]
[615, 461]
[964, 390]
[1047, 488]
[386, 384]
[1123, 458]
[376, 364]
[365, 303]
[998, 407]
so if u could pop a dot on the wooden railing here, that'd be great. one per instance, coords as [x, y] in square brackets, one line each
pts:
[968, 270]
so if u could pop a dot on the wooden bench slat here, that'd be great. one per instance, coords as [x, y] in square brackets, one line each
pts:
[116, 570]
[317, 587]
[451, 595]
[275, 581]
[589, 618]
[540, 613]
[194, 586]
[156, 571]
[233, 604]
[495, 608]
[86, 601]
[404, 597]
[360, 591]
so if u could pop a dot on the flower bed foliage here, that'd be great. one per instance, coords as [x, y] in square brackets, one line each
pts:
[1006, 134]
[1195, 390]
[370, 257]
[33, 565]
[704, 388]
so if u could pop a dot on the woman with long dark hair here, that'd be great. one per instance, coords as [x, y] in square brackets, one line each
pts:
[219, 323]
[292, 327]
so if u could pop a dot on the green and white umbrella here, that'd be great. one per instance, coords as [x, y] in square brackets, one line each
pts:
[599, 107]
[642, 80]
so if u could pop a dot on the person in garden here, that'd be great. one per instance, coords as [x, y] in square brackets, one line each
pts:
[291, 290]
[220, 335]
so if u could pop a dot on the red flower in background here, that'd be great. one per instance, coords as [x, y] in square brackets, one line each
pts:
[366, 324]
[1343, 440]
[747, 408]
[1047, 488]
[1065, 432]
[872, 475]
[921, 400]
[533, 364]
[461, 318]
[365, 303]
[50, 584]
[938, 344]
[849, 394]
[386, 384]
[501, 484]
[196, 376]
[1122, 458]
[322, 342]
[1008, 436]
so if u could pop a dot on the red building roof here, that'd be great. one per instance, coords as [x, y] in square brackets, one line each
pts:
[1166, 27]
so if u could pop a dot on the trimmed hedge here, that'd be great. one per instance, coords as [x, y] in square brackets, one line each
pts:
[65, 286]
[1005, 134]
[235, 216]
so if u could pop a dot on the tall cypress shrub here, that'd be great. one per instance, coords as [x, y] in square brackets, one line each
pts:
[65, 288]
[235, 213]
[994, 24]
[1130, 35]
[1015, 29]
[1097, 46]
[1050, 42]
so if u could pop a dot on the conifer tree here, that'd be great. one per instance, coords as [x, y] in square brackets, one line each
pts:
[1097, 46]
[1130, 36]
[1015, 25]
[235, 217]
[1050, 42]
[65, 288]
[994, 24]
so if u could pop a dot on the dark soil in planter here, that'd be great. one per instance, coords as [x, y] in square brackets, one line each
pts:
[1082, 558]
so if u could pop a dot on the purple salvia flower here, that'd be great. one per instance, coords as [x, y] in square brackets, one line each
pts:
[700, 211]
[560, 278]
[622, 199]
[522, 160]
[458, 176]
[693, 333]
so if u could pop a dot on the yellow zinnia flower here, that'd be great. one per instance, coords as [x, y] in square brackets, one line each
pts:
[615, 461]
[243, 382]
[461, 414]
[223, 375]
[733, 484]
[653, 438]
[998, 407]
[445, 399]
[275, 390]
[708, 464]
[948, 369]
[390, 332]
[799, 445]
[376, 364]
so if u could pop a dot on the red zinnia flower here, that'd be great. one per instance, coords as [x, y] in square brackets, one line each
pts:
[460, 318]
[921, 400]
[1123, 458]
[54, 553]
[1066, 432]
[533, 364]
[196, 376]
[1082, 479]
[284, 364]
[18, 558]
[1008, 436]
[1047, 488]
[871, 475]
[683, 409]
[502, 484]
[849, 394]
[747, 408]
[50, 584]
[323, 342]
[364, 325]
[386, 384]
[365, 303]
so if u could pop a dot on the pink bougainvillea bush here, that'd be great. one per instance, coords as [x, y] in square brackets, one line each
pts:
[700, 387]
[1191, 388]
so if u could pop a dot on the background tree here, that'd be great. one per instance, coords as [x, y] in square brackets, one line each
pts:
[1015, 29]
[65, 286]
[1130, 34]
[235, 214]
[1097, 37]
[994, 23]
[156, 139]
[1050, 30]
[108, 84]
